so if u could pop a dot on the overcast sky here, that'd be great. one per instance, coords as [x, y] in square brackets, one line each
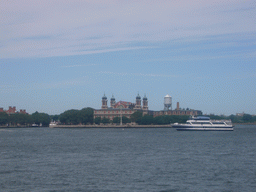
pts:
[57, 55]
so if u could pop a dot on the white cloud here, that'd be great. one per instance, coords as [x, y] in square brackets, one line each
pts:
[58, 28]
[70, 66]
[139, 74]
[43, 86]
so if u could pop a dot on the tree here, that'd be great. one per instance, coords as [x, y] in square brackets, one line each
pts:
[247, 118]
[147, 120]
[54, 117]
[234, 118]
[136, 117]
[23, 119]
[105, 120]
[70, 117]
[36, 118]
[3, 118]
[41, 118]
[97, 120]
[45, 119]
[86, 115]
[125, 120]
[116, 120]
[74, 116]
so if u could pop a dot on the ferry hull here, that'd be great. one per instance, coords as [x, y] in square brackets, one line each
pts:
[212, 128]
[204, 129]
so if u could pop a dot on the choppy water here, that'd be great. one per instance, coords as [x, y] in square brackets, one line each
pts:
[45, 159]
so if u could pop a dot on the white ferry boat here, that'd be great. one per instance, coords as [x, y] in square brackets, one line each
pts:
[202, 123]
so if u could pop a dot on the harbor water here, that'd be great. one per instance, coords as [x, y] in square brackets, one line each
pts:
[131, 159]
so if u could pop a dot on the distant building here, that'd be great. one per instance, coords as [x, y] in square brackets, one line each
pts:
[240, 114]
[120, 108]
[13, 110]
[177, 111]
[124, 108]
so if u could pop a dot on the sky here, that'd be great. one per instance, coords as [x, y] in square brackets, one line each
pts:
[57, 55]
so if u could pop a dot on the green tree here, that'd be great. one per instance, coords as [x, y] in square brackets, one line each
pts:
[41, 118]
[54, 117]
[136, 117]
[159, 120]
[147, 120]
[23, 119]
[97, 120]
[86, 115]
[70, 117]
[36, 118]
[45, 119]
[4, 118]
[247, 118]
[116, 120]
[235, 119]
[125, 120]
[105, 120]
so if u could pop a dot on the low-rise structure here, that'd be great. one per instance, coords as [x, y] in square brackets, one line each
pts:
[13, 110]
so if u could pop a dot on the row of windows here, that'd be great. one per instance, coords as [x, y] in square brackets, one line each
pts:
[110, 117]
[113, 112]
[176, 113]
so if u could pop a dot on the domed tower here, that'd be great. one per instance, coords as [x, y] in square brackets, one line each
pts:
[104, 102]
[112, 101]
[138, 102]
[145, 103]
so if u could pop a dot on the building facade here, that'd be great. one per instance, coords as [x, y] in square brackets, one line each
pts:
[13, 110]
[177, 111]
[120, 108]
[124, 108]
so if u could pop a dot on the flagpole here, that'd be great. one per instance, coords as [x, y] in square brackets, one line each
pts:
[121, 122]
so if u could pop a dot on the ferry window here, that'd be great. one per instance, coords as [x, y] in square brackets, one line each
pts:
[217, 122]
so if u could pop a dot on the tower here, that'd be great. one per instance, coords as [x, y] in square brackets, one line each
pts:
[145, 103]
[112, 101]
[138, 102]
[167, 102]
[104, 102]
[178, 106]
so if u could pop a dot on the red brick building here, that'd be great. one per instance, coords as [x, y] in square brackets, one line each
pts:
[124, 108]
[13, 110]
[121, 108]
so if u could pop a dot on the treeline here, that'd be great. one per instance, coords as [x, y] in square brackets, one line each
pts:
[75, 117]
[20, 119]
[85, 116]
[138, 118]
[246, 118]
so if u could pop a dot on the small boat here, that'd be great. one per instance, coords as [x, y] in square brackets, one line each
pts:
[202, 123]
[52, 124]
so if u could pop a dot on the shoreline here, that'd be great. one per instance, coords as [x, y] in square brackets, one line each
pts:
[111, 126]
[94, 126]
[108, 126]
